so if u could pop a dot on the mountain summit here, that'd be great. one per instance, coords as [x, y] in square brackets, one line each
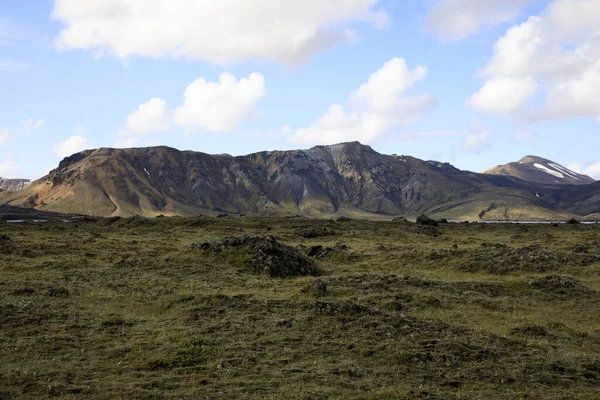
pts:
[541, 170]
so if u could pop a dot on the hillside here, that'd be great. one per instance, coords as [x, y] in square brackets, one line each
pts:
[13, 184]
[324, 181]
[540, 170]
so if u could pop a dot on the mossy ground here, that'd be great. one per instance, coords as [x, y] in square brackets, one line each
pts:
[410, 313]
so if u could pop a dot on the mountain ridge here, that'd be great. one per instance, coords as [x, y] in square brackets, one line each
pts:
[13, 184]
[323, 181]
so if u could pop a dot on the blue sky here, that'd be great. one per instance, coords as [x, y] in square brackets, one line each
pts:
[470, 82]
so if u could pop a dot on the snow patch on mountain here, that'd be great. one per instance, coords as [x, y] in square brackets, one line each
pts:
[549, 171]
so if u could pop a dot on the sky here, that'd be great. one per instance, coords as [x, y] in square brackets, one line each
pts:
[476, 83]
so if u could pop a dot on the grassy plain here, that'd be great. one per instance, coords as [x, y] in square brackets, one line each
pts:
[131, 309]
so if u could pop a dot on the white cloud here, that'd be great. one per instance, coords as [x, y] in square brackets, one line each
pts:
[592, 170]
[221, 31]
[7, 168]
[25, 127]
[456, 19]
[285, 130]
[220, 106]
[558, 51]
[208, 106]
[503, 95]
[150, 117]
[28, 125]
[376, 107]
[72, 145]
[478, 140]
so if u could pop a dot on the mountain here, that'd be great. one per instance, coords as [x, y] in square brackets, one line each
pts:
[324, 181]
[13, 184]
[541, 170]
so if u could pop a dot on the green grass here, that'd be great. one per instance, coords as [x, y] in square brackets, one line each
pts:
[406, 316]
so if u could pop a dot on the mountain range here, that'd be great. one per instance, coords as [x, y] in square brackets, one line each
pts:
[347, 179]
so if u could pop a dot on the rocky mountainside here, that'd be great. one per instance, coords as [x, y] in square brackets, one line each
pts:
[541, 170]
[345, 179]
[13, 184]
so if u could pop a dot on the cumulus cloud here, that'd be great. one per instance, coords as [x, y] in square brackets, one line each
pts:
[456, 19]
[374, 109]
[478, 140]
[150, 117]
[558, 52]
[221, 31]
[220, 106]
[70, 146]
[208, 106]
[503, 95]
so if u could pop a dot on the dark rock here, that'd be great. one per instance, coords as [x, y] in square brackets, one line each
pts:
[581, 249]
[312, 233]
[340, 246]
[314, 251]
[344, 219]
[425, 220]
[24, 292]
[443, 221]
[57, 291]
[573, 221]
[455, 246]
[270, 257]
[494, 245]
[222, 215]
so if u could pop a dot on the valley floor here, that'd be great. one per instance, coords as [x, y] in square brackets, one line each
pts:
[165, 308]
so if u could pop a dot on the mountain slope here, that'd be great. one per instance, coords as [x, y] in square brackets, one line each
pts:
[541, 170]
[345, 179]
[13, 184]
